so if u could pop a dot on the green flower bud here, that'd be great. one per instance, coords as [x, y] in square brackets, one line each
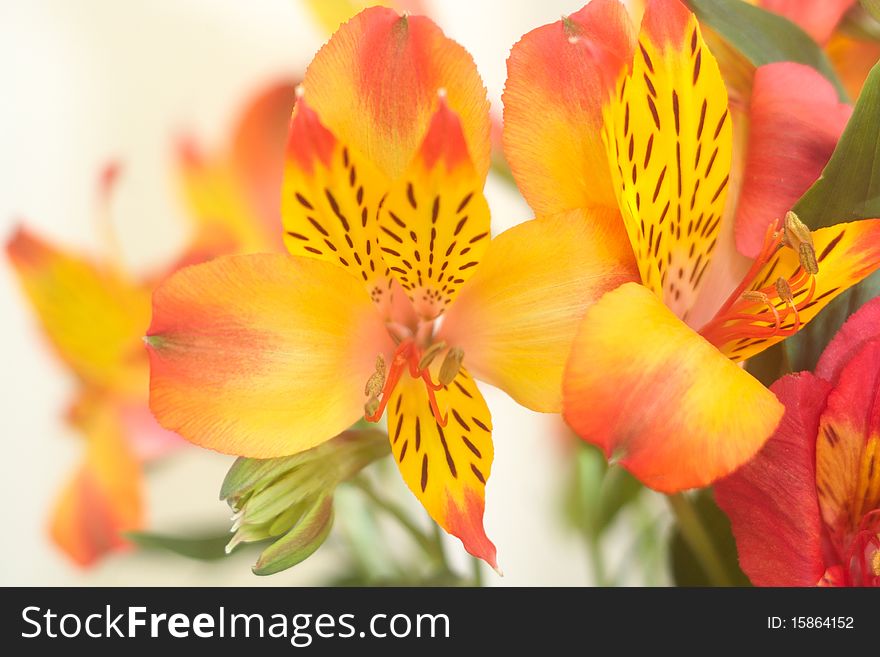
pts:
[290, 499]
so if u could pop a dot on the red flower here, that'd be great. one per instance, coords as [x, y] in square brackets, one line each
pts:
[806, 510]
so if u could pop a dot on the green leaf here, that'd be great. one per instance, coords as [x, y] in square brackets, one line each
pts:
[686, 569]
[207, 547]
[764, 37]
[849, 189]
[300, 542]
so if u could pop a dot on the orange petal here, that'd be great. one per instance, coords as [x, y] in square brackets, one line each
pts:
[375, 83]
[670, 143]
[649, 391]
[795, 121]
[262, 355]
[446, 467]
[852, 60]
[559, 77]
[93, 315]
[516, 318]
[237, 189]
[434, 221]
[104, 497]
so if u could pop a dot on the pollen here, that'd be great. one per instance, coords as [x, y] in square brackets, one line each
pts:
[875, 563]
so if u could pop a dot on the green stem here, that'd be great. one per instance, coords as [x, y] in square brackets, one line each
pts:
[597, 559]
[477, 566]
[698, 539]
[431, 548]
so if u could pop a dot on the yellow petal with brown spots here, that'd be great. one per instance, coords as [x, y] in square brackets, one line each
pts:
[434, 223]
[669, 139]
[330, 198]
[845, 254]
[446, 467]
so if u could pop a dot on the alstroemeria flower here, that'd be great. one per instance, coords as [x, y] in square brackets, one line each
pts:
[638, 129]
[806, 509]
[94, 313]
[384, 215]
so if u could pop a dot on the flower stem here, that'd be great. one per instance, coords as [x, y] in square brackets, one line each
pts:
[477, 566]
[698, 539]
[431, 547]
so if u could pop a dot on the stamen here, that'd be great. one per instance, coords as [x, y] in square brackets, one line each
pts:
[807, 255]
[795, 231]
[451, 366]
[756, 313]
[374, 386]
[875, 563]
[431, 353]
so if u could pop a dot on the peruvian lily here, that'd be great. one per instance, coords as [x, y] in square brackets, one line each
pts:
[806, 509]
[635, 135]
[94, 311]
[388, 230]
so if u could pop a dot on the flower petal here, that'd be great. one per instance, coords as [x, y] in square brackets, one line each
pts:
[559, 77]
[862, 326]
[852, 59]
[92, 314]
[434, 222]
[652, 393]
[238, 188]
[771, 501]
[818, 18]
[262, 355]
[516, 318]
[795, 121]
[846, 253]
[104, 497]
[848, 447]
[446, 468]
[330, 200]
[670, 143]
[375, 83]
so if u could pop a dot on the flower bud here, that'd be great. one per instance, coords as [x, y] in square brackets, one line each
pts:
[290, 499]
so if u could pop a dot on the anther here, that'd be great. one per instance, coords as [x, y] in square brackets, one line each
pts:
[875, 563]
[796, 231]
[451, 366]
[807, 256]
[431, 353]
[783, 289]
[374, 386]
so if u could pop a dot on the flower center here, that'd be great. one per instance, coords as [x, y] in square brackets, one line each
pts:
[410, 356]
[762, 309]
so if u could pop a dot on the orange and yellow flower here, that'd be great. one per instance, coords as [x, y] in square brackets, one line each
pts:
[94, 313]
[634, 133]
[394, 296]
